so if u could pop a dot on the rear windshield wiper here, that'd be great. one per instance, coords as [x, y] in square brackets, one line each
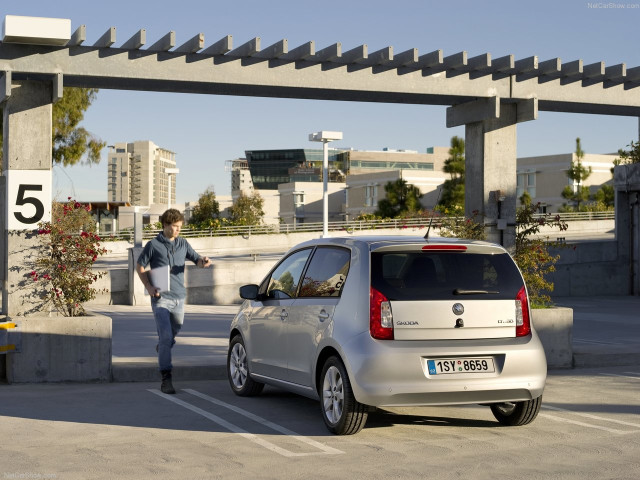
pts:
[462, 291]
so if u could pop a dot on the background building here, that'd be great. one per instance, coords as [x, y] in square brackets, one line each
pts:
[545, 177]
[270, 168]
[137, 175]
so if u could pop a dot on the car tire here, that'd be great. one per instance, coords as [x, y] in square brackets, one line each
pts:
[341, 412]
[238, 370]
[515, 414]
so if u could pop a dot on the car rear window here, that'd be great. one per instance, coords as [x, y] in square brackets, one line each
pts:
[444, 275]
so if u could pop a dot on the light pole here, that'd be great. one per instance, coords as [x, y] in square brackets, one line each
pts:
[169, 172]
[325, 137]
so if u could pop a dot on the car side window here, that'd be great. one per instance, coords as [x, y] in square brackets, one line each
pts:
[285, 279]
[327, 273]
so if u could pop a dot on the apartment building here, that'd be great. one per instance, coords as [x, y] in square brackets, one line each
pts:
[138, 175]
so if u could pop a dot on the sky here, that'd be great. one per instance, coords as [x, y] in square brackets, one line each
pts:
[207, 130]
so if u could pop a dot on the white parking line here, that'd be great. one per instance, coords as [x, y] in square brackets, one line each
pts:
[235, 429]
[267, 423]
[622, 376]
[593, 417]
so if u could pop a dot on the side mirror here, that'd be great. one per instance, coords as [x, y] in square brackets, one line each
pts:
[249, 292]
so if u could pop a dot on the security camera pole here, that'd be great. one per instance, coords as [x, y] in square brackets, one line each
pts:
[325, 137]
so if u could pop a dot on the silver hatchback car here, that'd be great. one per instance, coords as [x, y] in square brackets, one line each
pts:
[380, 321]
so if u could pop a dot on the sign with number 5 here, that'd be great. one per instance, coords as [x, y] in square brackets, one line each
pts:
[28, 198]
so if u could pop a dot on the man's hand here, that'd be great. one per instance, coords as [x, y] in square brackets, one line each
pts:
[153, 291]
[204, 262]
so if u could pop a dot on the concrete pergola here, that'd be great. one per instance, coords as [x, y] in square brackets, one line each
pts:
[489, 96]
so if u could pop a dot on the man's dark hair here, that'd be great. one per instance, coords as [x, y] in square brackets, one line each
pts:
[171, 216]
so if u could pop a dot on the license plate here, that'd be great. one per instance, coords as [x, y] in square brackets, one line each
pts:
[446, 366]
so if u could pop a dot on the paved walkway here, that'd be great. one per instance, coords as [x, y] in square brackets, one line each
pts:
[606, 332]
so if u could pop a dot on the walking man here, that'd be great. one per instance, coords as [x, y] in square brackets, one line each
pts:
[168, 306]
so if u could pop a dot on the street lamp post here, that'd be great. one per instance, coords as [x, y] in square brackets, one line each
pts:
[169, 172]
[325, 137]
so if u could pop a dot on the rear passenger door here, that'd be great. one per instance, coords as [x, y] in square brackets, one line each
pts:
[312, 312]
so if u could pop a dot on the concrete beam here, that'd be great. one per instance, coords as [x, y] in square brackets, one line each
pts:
[415, 83]
[78, 37]
[192, 45]
[355, 55]
[504, 64]
[527, 110]
[222, 46]
[58, 87]
[302, 52]
[136, 41]
[246, 50]
[165, 44]
[328, 54]
[5, 86]
[384, 56]
[276, 50]
[433, 59]
[405, 59]
[475, 111]
[107, 39]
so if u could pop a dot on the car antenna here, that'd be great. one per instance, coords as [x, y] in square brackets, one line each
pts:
[426, 235]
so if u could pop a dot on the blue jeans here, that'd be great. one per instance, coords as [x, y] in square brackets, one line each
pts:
[169, 315]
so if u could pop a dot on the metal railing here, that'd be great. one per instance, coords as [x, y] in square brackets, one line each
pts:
[345, 226]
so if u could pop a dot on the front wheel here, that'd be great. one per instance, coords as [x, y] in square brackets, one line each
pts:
[341, 412]
[515, 414]
[238, 370]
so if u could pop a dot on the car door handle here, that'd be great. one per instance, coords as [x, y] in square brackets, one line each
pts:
[283, 315]
[323, 316]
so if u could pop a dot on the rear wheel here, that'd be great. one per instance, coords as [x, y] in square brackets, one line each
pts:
[514, 414]
[238, 370]
[341, 412]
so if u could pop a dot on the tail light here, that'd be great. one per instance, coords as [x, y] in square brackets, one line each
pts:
[523, 321]
[380, 316]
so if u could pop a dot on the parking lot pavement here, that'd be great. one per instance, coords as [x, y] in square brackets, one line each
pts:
[589, 427]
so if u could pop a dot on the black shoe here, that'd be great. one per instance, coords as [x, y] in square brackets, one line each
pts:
[167, 386]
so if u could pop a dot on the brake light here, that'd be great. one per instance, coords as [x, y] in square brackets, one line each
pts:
[380, 316]
[523, 322]
[446, 248]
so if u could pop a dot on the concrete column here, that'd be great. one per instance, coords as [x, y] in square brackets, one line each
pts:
[626, 180]
[27, 146]
[490, 173]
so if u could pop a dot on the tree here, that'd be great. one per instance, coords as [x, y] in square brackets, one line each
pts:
[578, 174]
[401, 198]
[71, 143]
[207, 209]
[247, 210]
[605, 196]
[453, 189]
[525, 199]
[628, 156]
[532, 252]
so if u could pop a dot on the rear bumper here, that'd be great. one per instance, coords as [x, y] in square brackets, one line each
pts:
[394, 373]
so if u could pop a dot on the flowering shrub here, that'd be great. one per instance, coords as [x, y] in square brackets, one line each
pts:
[72, 248]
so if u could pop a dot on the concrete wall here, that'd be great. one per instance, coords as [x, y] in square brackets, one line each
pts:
[585, 268]
[590, 268]
[61, 349]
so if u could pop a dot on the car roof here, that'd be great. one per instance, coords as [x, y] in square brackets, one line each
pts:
[376, 242]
